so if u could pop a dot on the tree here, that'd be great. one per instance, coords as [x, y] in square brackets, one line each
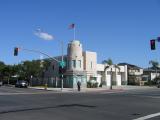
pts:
[154, 64]
[7, 72]
[110, 64]
[108, 61]
[2, 65]
[23, 71]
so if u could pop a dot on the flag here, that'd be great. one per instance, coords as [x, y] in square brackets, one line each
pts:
[71, 26]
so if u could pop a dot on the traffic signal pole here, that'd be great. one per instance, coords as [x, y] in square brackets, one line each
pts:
[36, 51]
[62, 66]
[62, 63]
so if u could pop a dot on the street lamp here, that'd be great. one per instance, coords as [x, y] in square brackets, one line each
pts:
[111, 78]
[62, 63]
[62, 66]
[115, 66]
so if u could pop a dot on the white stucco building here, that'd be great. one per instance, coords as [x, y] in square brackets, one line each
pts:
[82, 66]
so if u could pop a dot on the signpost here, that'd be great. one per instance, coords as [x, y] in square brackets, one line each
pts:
[62, 64]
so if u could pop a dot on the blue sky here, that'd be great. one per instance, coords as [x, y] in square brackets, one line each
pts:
[116, 29]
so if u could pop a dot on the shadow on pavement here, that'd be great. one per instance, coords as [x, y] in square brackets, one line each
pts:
[42, 108]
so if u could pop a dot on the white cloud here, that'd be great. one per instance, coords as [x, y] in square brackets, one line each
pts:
[43, 35]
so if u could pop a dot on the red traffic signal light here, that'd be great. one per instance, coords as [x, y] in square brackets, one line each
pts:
[15, 51]
[62, 70]
[152, 44]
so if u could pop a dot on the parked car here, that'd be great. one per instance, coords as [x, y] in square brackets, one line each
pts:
[21, 84]
[1, 83]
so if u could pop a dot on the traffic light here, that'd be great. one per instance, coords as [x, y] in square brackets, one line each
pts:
[15, 51]
[152, 44]
[158, 39]
[53, 67]
[62, 70]
[62, 67]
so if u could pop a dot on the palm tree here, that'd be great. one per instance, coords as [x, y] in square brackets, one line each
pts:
[154, 65]
[110, 64]
[108, 61]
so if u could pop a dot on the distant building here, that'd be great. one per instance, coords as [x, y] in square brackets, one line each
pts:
[82, 66]
[112, 74]
[151, 73]
[134, 74]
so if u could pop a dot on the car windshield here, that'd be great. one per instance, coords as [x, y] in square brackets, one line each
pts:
[21, 81]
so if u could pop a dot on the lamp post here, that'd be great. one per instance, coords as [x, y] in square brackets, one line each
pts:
[62, 66]
[111, 78]
[115, 66]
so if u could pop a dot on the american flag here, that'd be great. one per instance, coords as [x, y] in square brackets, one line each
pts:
[71, 26]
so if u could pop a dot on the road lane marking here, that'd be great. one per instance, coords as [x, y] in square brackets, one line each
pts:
[111, 92]
[148, 116]
[155, 97]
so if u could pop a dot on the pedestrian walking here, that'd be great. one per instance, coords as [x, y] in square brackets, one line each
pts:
[79, 85]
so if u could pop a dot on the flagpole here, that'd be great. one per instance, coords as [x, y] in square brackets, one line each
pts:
[74, 32]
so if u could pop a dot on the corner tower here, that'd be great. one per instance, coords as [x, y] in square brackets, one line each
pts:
[75, 56]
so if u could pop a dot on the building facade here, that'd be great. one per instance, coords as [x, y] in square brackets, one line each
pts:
[150, 74]
[82, 66]
[135, 74]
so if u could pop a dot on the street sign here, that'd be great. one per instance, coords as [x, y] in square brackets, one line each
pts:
[62, 64]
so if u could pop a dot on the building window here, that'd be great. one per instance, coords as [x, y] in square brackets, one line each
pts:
[137, 70]
[79, 63]
[74, 63]
[91, 64]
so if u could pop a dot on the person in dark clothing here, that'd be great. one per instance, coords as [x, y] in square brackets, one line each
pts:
[79, 85]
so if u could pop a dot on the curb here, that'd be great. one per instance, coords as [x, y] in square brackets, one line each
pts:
[76, 91]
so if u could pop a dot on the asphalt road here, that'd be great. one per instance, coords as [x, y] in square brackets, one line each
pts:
[30, 104]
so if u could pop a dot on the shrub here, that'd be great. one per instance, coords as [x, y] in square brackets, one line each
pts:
[92, 85]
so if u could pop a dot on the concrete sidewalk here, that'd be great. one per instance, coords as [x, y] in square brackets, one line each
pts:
[114, 88]
[74, 89]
